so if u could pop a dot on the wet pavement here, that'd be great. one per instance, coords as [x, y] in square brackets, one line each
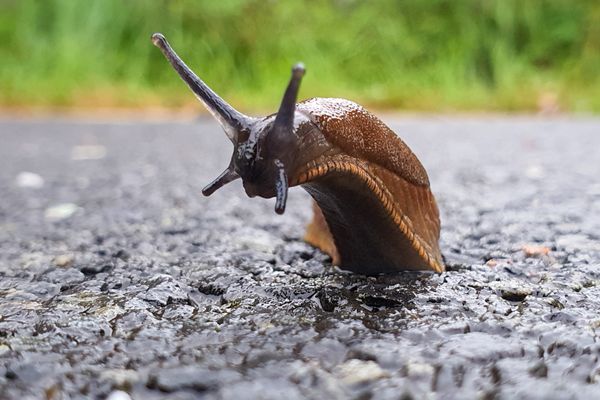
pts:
[117, 276]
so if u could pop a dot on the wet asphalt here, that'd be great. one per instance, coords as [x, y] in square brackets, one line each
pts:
[117, 277]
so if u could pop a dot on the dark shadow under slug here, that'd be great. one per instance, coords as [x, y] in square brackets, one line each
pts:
[374, 211]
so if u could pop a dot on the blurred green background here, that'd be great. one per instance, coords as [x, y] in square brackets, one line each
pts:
[433, 55]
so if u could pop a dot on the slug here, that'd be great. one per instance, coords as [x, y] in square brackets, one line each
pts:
[374, 211]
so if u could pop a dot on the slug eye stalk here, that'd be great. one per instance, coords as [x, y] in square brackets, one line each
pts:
[230, 119]
[282, 135]
[284, 121]
[281, 187]
[244, 132]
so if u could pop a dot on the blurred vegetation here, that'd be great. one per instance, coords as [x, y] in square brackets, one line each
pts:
[410, 54]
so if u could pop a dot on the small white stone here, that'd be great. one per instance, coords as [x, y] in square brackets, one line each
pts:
[4, 348]
[60, 211]
[120, 377]
[534, 172]
[63, 260]
[355, 372]
[415, 369]
[29, 180]
[88, 152]
[118, 395]
[595, 376]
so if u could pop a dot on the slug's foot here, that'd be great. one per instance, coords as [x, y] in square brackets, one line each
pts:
[319, 236]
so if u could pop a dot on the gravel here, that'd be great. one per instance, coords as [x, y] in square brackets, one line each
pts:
[119, 280]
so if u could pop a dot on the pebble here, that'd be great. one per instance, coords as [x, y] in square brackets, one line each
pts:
[120, 377]
[531, 250]
[354, 372]
[3, 348]
[415, 369]
[118, 395]
[60, 211]
[166, 292]
[64, 260]
[29, 180]
[511, 290]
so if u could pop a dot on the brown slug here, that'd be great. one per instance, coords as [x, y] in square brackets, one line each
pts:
[374, 211]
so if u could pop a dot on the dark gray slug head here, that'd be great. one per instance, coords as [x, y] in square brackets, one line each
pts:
[264, 148]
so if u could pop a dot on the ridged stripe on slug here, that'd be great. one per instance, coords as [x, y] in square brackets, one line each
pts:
[318, 169]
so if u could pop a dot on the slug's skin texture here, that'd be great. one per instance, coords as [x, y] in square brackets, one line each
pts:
[373, 212]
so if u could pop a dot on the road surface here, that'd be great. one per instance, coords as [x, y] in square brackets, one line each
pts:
[117, 274]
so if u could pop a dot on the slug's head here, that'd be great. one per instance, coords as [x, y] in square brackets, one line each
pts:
[264, 148]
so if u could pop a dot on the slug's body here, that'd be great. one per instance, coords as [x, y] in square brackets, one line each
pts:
[374, 210]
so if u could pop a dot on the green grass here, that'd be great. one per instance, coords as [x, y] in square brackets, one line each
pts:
[436, 55]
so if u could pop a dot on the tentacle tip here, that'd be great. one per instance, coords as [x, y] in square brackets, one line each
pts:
[281, 199]
[281, 187]
[298, 70]
[158, 39]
